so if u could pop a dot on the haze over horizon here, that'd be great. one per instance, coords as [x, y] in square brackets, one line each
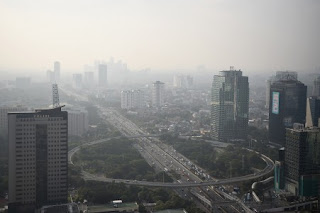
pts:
[161, 35]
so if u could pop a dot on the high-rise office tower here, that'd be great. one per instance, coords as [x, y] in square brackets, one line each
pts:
[38, 159]
[56, 71]
[313, 111]
[102, 75]
[279, 75]
[287, 106]
[229, 106]
[157, 94]
[302, 160]
[316, 87]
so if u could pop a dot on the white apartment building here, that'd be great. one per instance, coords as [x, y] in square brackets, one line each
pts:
[132, 99]
[38, 159]
[77, 122]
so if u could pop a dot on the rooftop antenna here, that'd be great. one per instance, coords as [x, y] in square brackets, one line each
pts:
[55, 96]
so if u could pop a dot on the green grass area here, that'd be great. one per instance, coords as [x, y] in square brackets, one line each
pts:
[117, 159]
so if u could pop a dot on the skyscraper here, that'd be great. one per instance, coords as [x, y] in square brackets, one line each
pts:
[287, 106]
[102, 75]
[279, 75]
[229, 106]
[316, 87]
[56, 71]
[302, 160]
[313, 111]
[38, 159]
[157, 94]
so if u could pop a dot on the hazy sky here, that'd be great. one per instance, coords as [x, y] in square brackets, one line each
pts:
[161, 34]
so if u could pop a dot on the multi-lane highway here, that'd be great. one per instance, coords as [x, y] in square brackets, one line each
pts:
[165, 158]
[178, 184]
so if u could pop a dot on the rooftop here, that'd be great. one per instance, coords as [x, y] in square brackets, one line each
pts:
[123, 207]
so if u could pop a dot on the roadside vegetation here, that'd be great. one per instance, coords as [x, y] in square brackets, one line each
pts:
[117, 159]
[219, 162]
[101, 193]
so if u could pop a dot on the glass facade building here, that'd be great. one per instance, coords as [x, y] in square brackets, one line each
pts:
[229, 106]
[287, 106]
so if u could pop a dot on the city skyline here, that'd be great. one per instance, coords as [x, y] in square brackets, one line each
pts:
[268, 35]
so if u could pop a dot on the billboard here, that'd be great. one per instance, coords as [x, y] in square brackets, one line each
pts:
[275, 102]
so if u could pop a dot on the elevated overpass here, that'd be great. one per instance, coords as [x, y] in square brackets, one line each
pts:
[87, 176]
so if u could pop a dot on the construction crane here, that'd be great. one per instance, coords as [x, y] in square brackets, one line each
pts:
[55, 96]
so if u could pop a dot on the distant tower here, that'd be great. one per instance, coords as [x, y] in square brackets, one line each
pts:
[56, 71]
[102, 75]
[229, 106]
[157, 94]
[316, 87]
[55, 96]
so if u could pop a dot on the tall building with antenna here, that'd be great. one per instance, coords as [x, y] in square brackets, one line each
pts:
[38, 157]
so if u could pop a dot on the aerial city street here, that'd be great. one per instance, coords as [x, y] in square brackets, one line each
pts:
[159, 106]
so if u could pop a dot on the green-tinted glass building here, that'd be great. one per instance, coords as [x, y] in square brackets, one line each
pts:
[229, 106]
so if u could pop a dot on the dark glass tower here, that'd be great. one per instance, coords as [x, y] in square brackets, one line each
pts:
[229, 106]
[287, 106]
[302, 161]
